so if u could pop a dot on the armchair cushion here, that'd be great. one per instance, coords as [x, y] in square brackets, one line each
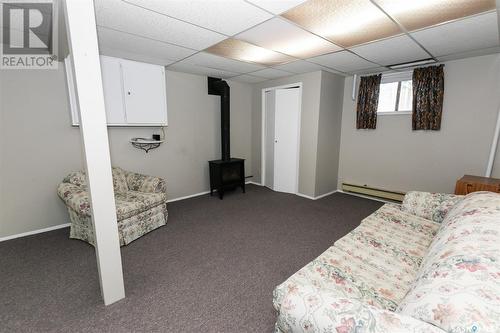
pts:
[132, 203]
[313, 310]
[119, 180]
[431, 206]
[144, 183]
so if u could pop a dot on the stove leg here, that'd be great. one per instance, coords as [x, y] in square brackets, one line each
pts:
[221, 194]
[243, 187]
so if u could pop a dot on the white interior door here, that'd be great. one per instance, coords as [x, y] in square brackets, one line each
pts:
[270, 103]
[286, 139]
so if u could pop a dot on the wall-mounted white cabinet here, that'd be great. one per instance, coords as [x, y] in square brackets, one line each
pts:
[135, 93]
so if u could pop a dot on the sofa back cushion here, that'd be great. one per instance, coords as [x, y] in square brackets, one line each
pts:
[431, 206]
[458, 285]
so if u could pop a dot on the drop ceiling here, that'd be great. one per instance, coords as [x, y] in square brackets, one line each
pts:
[256, 40]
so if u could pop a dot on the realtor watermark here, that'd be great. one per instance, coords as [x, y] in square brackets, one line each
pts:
[29, 34]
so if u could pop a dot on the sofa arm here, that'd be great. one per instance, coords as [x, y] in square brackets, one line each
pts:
[144, 183]
[75, 197]
[431, 206]
[324, 311]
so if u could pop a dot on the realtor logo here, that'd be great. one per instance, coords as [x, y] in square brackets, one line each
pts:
[29, 35]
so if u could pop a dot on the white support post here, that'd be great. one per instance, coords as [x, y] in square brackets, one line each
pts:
[493, 148]
[82, 37]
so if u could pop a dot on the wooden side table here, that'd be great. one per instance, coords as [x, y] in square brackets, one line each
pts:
[468, 184]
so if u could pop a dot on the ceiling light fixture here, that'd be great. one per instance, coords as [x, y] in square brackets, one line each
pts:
[239, 50]
[413, 63]
[282, 36]
[344, 22]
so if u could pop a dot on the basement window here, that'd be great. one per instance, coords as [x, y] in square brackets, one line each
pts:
[396, 94]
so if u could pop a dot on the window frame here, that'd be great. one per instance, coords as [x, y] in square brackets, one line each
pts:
[396, 77]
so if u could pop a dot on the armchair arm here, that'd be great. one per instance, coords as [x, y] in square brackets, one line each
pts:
[323, 311]
[144, 183]
[75, 197]
[431, 206]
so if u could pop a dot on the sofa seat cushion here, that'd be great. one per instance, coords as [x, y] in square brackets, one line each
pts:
[393, 236]
[458, 285]
[375, 263]
[131, 203]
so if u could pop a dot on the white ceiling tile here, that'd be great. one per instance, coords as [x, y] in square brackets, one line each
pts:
[119, 15]
[468, 54]
[248, 78]
[299, 67]
[134, 56]
[392, 51]
[213, 61]
[277, 6]
[224, 16]
[132, 44]
[477, 32]
[271, 73]
[343, 61]
[285, 37]
[200, 70]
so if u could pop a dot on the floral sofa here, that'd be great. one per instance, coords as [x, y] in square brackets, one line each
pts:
[141, 204]
[431, 264]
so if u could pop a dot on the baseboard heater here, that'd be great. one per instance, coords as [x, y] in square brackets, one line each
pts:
[373, 192]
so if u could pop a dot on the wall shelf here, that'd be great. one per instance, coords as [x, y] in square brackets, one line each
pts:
[145, 144]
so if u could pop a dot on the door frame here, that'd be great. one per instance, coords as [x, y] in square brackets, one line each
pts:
[263, 130]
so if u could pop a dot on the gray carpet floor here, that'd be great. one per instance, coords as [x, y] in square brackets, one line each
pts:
[212, 268]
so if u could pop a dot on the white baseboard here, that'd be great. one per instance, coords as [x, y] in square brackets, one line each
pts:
[254, 183]
[60, 226]
[365, 196]
[325, 195]
[188, 196]
[34, 232]
[315, 198]
[202, 193]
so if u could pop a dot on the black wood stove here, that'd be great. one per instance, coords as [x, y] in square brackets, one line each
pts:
[226, 173]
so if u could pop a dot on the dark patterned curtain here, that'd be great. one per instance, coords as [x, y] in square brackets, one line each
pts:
[428, 90]
[366, 115]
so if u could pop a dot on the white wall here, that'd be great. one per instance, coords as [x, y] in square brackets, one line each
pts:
[319, 129]
[39, 147]
[311, 87]
[329, 129]
[397, 158]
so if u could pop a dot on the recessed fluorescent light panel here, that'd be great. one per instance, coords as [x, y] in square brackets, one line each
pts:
[344, 22]
[418, 14]
[282, 36]
[243, 51]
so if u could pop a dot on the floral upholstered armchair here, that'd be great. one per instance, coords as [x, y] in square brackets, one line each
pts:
[141, 204]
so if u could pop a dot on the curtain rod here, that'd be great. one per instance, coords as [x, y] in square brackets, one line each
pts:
[402, 70]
